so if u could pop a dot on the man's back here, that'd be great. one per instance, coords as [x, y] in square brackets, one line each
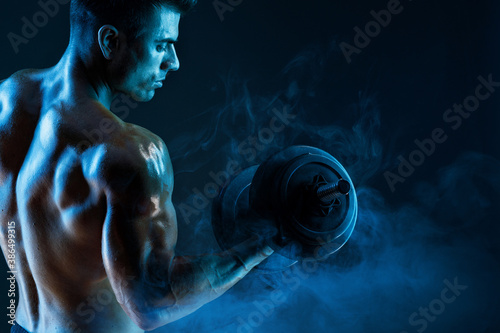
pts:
[50, 187]
[95, 226]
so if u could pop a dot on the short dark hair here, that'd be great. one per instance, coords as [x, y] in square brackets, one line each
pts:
[126, 15]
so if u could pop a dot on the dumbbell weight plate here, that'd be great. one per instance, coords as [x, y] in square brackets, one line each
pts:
[278, 192]
[234, 222]
[272, 196]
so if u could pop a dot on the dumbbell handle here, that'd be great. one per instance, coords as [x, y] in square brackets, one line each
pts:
[328, 192]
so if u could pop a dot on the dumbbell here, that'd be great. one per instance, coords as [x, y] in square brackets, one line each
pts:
[300, 200]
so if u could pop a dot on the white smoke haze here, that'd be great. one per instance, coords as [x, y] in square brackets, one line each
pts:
[402, 254]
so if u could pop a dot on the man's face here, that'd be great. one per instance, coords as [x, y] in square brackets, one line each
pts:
[140, 67]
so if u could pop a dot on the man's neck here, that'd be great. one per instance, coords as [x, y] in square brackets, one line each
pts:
[86, 75]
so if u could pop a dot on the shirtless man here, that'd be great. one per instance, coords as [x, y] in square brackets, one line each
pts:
[98, 217]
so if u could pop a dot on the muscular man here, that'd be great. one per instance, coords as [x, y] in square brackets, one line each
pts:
[92, 218]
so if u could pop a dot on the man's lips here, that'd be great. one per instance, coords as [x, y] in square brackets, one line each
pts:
[158, 84]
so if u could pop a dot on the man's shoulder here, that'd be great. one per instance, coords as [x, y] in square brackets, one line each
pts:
[133, 153]
[20, 91]
[105, 132]
[20, 81]
[143, 135]
[20, 86]
[137, 143]
[19, 97]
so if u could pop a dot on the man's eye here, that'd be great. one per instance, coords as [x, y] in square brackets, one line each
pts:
[161, 48]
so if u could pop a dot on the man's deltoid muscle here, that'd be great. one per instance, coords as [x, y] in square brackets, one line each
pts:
[95, 224]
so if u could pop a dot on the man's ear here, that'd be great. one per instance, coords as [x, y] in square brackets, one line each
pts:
[108, 40]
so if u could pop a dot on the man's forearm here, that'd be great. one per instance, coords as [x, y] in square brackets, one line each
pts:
[195, 281]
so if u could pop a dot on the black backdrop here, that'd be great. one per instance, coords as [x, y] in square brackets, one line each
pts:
[439, 226]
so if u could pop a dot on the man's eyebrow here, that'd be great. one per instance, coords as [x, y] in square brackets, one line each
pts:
[166, 40]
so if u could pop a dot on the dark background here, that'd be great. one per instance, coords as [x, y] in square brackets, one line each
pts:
[440, 224]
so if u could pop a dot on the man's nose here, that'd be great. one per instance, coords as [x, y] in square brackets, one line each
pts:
[170, 61]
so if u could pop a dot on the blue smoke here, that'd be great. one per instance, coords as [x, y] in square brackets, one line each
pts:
[395, 273]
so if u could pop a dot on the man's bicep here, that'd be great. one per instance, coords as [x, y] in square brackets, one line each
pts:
[139, 237]
[138, 251]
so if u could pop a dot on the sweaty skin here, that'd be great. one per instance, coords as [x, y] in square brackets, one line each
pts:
[95, 226]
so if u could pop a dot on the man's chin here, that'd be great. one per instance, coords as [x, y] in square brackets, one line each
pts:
[143, 97]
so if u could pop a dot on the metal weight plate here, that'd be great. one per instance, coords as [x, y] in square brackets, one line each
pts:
[234, 222]
[279, 191]
[279, 201]
[319, 230]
